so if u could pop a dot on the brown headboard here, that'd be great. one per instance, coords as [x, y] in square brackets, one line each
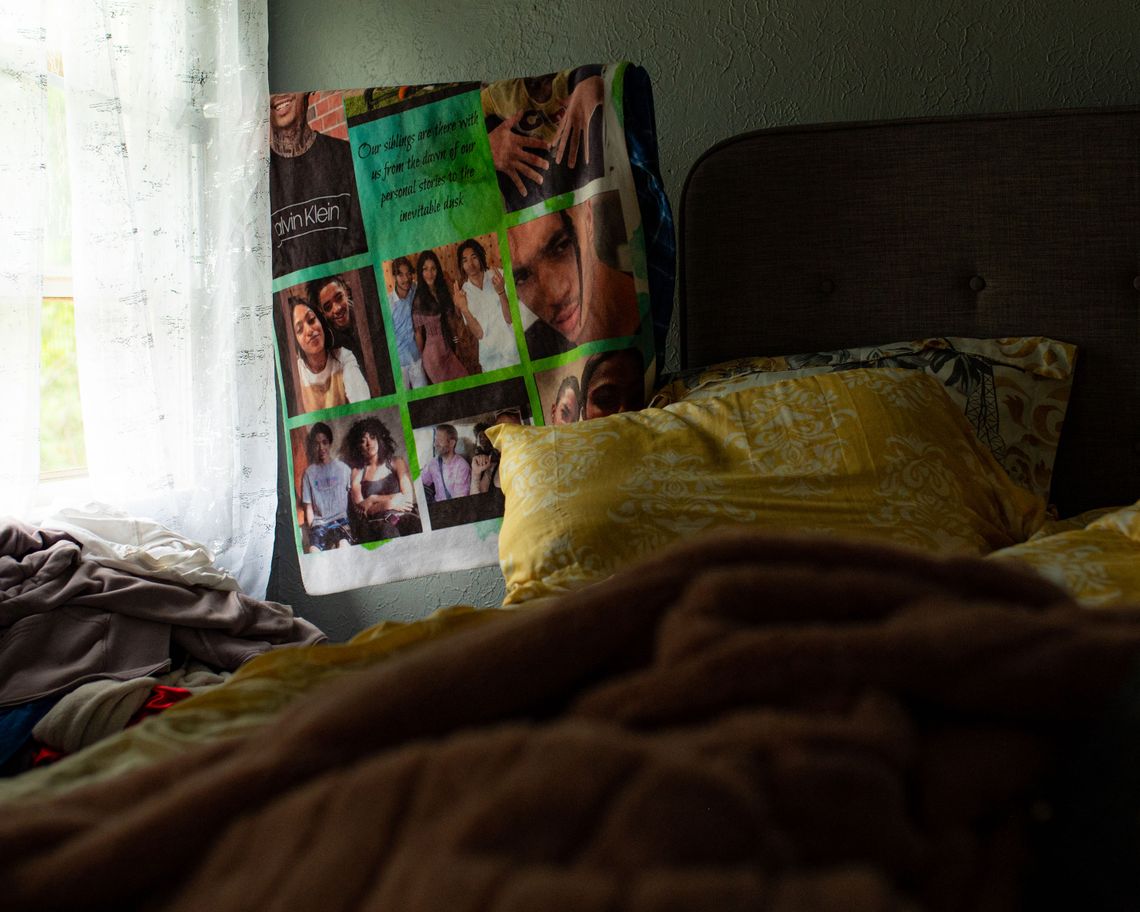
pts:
[814, 238]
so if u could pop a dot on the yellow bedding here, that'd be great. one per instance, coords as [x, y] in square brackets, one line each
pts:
[1095, 556]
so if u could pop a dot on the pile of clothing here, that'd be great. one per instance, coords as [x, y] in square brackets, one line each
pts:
[105, 620]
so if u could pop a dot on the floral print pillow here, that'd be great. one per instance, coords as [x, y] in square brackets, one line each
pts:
[1013, 391]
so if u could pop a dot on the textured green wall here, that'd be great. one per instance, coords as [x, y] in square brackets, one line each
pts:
[741, 65]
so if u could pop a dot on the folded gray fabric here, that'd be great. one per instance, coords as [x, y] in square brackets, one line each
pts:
[65, 621]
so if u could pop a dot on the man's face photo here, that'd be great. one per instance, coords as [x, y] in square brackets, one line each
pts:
[566, 408]
[547, 269]
[322, 447]
[567, 274]
[444, 445]
[335, 303]
[286, 110]
[617, 384]
[403, 280]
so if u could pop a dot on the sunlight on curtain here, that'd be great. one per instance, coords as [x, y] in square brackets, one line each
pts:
[167, 108]
[23, 189]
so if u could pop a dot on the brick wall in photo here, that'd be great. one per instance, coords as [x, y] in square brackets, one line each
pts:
[326, 114]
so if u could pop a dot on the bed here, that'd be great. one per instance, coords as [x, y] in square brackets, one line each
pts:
[746, 719]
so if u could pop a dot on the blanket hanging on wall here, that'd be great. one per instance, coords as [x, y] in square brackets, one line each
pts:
[445, 258]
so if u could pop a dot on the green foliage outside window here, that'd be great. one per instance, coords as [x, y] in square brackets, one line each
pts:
[61, 421]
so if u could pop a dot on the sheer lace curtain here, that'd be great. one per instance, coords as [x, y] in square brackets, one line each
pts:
[167, 124]
[23, 192]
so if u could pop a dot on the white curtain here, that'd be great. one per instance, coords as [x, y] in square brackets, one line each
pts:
[23, 205]
[167, 123]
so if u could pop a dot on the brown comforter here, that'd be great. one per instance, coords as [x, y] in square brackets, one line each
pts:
[742, 723]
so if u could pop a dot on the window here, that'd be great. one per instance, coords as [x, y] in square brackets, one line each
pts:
[62, 450]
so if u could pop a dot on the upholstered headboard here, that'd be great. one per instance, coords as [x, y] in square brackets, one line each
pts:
[822, 237]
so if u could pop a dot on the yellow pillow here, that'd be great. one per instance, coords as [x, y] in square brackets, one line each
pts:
[1098, 561]
[1013, 391]
[883, 453]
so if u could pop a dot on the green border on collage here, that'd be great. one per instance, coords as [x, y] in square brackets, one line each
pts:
[301, 276]
[618, 93]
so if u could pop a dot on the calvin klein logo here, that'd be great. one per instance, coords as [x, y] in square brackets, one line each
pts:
[321, 213]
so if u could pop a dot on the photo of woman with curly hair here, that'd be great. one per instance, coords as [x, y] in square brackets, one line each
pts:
[381, 492]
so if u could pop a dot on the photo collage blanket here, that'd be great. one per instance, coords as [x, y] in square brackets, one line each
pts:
[447, 258]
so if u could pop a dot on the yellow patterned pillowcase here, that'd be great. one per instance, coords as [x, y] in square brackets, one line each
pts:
[1097, 559]
[881, 453]
[1013, 391]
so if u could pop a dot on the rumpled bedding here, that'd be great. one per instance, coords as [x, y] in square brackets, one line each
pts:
[65, 621]
[1094, 556]
[742, 722]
